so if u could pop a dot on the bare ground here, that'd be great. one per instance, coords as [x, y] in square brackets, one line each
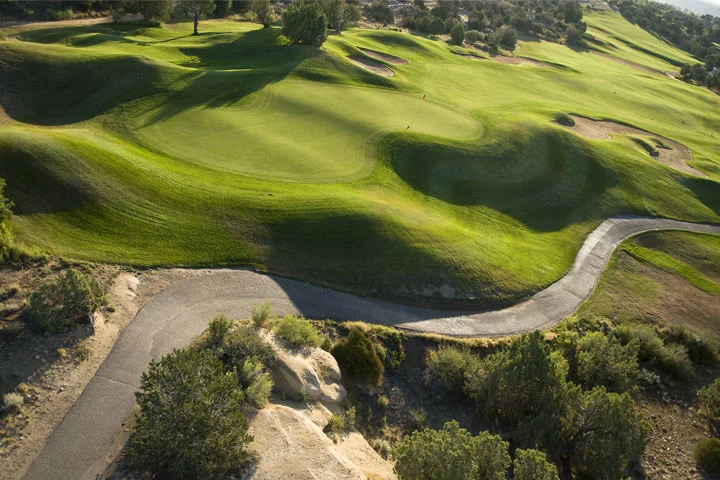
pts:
[50, 370]
[675, 156]
[371, 65]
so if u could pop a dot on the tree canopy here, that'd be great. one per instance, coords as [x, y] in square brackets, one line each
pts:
[304, 22]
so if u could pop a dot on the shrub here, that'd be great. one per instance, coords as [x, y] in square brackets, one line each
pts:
[350, 415]
[61, 304]
[383, 401]
[418, 418]
[450, 454]
[255, 382]
[244, 342]
[264, 12]
[297, 332]
[447, 366]
[533, 465]
[702, 348]
[709, 399]
[357, 356]
[672, 358]
[336, 424]
[604, 361]
[12, 400]
[379, 11]
[457, 34]
[260, 314]
[472, 36]
[219, 326]
[382, 447]
[6, 238]
[572, 35]
[304, 22]
[190, 423]
[707, 455]
[564, 119]
[506, 36]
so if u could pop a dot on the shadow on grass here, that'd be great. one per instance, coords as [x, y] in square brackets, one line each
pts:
[542, 178]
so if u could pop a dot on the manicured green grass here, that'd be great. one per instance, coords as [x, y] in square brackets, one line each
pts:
[153, 147]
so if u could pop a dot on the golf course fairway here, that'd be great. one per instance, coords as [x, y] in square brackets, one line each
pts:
[448, 182]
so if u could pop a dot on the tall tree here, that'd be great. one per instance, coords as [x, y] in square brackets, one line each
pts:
[197, 9]
[335, 13]
[304, 22]
[155, 11]
[264, 12]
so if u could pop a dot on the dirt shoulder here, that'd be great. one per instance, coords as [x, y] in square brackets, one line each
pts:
[53, 371]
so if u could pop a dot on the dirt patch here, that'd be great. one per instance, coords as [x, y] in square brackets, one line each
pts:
[50, 371]
[518, 60]
[383, 57]
[673, 154]
[371, 65]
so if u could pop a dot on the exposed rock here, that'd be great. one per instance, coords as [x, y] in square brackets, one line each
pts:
[289, 445]
[308, 373]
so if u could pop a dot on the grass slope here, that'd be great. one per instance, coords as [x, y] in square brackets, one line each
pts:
[153, 147]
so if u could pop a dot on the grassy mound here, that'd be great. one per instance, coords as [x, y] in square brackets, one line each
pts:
[155, 147]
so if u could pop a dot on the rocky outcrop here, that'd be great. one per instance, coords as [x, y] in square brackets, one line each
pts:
[306, 373]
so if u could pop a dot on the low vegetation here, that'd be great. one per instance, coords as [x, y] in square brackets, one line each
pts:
[244, 342]
[358, 358]
[450, 454]
[6, 237]
[64, 303]
[261, 314]
[710, 402]
[707, 455]
[297, 332]
[191, 422]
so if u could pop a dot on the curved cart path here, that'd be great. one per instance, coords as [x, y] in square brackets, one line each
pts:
[77, 447]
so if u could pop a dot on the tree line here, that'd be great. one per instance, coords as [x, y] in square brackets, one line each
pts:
[698, 35]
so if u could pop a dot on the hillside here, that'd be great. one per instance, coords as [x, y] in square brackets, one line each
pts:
[128, 144]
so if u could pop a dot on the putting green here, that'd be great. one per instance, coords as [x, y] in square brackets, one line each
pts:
[266, 135]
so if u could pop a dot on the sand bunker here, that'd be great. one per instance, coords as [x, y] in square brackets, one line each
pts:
[371, 65]
[669, 152]
[383, 57]
[518, 60]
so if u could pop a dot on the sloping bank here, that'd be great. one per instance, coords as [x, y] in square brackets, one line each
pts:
[172, 319]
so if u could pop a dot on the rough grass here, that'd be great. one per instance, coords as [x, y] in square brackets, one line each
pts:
[235, 148]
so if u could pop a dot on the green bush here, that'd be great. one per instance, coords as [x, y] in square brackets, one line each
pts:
[190, 423]
[472, 36]
[707, 455]
[304, 22]
[447, 366]
[672, 358]
[709, 399]
[357, 356]
[255, 382]
[418, 418]
[61, 304]
[533, 465]
[450, 454]
[457, 33]
[219, 326]
[603, 361]
[260, 314]
[242, 343]
[6, 237]
[702, 347]
[297, 332]
[564, 119]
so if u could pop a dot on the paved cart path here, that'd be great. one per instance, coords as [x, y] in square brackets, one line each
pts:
[76, 448]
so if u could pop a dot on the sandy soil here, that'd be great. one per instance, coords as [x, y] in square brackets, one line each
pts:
[371, 65]
[383, 57]
[51, 381]
[676, 156]
[518, 60]
[471, 57]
